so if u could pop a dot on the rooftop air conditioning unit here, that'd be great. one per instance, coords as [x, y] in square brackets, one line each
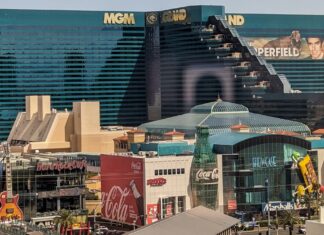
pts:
[142, 153]
[153, 154]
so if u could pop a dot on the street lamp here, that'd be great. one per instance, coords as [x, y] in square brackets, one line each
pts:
[94, 217]
[266, 183]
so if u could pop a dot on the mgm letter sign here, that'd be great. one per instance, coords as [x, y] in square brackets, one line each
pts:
[119, 18]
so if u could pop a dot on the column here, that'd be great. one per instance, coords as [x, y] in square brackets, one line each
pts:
[176, 205]
[58, 200]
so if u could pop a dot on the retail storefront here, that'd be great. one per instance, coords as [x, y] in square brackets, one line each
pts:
[247, 160]
[47, 183]
[138, 190]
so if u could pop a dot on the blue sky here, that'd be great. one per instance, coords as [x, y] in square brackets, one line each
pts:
[236, 6]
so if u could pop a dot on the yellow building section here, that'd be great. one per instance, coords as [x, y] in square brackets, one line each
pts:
[93, 204]
[308, 172]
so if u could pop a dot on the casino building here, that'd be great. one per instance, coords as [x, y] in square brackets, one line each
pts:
[47, 183]
[144, 66]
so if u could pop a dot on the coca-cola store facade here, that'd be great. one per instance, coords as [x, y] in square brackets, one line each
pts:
[139, 190]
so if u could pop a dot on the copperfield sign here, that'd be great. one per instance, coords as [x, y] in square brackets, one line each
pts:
[59, 166]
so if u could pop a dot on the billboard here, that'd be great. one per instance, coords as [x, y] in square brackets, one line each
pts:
[153, 211]
[292, 46]
[308, 172]
[122, 189]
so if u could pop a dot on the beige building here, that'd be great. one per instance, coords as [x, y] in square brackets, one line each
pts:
[122, 143]
[43, 129]
[167, 185]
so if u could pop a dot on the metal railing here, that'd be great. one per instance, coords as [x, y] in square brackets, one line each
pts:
[24, 228]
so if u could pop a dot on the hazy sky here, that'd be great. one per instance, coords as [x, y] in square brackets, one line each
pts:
[236, 6]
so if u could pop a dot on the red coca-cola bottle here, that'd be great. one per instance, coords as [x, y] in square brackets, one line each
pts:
[139, 201]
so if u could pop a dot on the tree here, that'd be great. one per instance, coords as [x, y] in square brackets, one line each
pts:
[290, 218]
[64, 220]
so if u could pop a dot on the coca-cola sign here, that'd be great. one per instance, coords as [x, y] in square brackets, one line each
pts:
[122, 189]
[113, 203]
[156, 182]
[59, 166]
[207, 175]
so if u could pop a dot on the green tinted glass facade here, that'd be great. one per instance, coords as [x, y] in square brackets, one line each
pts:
[72, 56]
[204, 173]
[159, 65]
[258, 159]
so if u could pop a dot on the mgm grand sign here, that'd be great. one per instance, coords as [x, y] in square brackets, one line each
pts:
[174, 16]
[119, 18]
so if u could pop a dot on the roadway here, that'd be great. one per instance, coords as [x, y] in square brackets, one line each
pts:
[263, 231]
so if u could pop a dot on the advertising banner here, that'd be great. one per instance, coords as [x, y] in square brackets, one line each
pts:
[122, 189]
[292, 46]
[232, 204]
[153, 211]
[168, 210]
[308, 172]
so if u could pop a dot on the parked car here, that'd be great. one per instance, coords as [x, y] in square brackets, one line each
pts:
[101, 230]
[302, 230]
[249, 225]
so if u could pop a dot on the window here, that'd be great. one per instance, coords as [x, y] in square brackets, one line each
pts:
[168, 207]
[174, 171]
[181, 204]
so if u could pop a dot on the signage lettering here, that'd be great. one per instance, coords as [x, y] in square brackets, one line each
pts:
[235, 19]
[58, 166]
[119, 18]
[114, 206]
[280, 206]
[207, 175]
[156, 182]
[174, 16]
[258, 162]
[279, 51]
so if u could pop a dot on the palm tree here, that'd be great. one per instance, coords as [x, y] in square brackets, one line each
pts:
[64, 220]
[290, 218]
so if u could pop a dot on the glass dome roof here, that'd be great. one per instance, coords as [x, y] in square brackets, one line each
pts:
[219, 107]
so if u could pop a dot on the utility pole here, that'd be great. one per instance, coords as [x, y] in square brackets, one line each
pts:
[94, 218]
